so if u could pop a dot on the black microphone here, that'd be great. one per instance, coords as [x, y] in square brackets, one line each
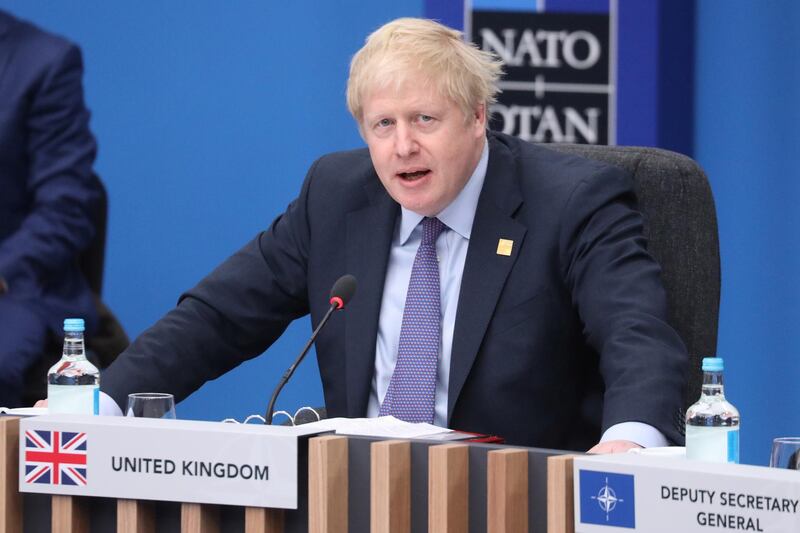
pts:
[341, 293]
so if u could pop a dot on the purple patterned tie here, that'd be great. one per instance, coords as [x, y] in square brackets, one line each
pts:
[410, 396]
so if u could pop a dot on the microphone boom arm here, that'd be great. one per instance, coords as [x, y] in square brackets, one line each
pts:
[289, 371]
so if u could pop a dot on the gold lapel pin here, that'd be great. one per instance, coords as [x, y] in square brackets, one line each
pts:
[504, 247]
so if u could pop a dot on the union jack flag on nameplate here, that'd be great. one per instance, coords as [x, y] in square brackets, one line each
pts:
[55, 457]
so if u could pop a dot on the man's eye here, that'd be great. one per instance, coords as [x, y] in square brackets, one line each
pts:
[425, 118]
[384, 123]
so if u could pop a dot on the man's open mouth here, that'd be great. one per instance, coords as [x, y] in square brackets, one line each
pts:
[411, 176]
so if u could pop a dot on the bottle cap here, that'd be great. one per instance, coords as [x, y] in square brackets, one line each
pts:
[713, 364]
[73, 324]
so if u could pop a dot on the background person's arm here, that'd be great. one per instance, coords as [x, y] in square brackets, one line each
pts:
[60, 150]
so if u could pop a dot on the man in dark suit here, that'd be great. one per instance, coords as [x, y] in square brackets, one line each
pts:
[46, 156]
[502, 288]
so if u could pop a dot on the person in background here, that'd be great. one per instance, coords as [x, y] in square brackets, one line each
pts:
[503, 288]
[47, 192]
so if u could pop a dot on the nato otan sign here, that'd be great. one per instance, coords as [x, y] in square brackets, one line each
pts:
[628, 492]
[559, 83]
[169, 460]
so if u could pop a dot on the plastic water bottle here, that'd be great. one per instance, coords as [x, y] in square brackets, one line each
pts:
[73, 383]
[712, 424]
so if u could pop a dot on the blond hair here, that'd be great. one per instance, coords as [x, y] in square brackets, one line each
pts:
[407, 46]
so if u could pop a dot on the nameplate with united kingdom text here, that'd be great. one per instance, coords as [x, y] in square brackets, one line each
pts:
[153, 459]
[629, 492]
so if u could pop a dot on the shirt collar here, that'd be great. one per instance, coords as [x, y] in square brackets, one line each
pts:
[460, 213]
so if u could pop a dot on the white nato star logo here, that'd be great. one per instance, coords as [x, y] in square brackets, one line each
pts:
[607, 499]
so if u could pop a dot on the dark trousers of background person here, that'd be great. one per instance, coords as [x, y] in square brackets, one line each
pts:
[23, 335]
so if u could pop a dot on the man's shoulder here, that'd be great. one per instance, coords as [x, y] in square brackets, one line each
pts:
[32, 44]
[548, 179]
[548, 163]
[346, 180]
[349, 167]
[334, 160]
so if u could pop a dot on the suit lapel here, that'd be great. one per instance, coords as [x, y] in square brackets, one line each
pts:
[485, 271]
[369, 237]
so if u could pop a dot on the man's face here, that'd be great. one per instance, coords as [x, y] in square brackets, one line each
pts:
[421, 147]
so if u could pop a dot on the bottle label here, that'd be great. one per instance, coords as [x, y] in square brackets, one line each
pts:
[733, 446]
[715, 444]
[73, 399]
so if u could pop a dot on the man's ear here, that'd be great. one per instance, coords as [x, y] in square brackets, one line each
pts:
[480, 116]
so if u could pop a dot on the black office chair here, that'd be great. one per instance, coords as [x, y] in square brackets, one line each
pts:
[109, 340]
[681, 227]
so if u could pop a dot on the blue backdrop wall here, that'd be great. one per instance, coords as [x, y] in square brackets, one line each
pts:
[748, 82]
[208, 118]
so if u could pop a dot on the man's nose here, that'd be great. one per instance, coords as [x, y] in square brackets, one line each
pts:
[405, 141]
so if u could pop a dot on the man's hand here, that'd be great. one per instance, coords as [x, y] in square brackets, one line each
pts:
[612, 446]
[41, 403]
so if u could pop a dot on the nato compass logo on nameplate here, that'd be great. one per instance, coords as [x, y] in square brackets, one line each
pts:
[607, 499]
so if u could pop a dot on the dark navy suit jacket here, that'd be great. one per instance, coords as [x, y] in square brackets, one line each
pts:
[46, 187]
[563, 338]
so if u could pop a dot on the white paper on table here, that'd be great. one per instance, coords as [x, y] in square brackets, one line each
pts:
[382, 426]
[23, 411]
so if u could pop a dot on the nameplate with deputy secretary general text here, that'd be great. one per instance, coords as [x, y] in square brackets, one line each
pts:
[630, 492]
[153, 459]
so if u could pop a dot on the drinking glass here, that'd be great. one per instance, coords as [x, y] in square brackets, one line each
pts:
[151, 405]
[785, 453]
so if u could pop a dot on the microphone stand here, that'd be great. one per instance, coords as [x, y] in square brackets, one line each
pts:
[335, 304]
